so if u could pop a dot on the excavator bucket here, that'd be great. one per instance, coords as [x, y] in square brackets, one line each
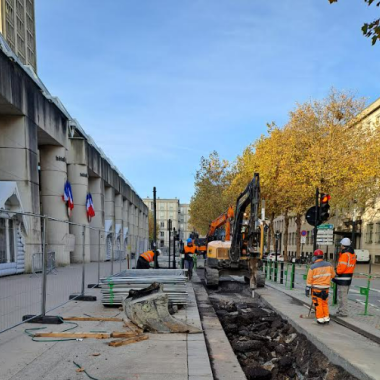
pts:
[149, 309]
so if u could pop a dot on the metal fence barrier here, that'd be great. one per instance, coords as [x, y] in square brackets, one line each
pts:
[75, 264]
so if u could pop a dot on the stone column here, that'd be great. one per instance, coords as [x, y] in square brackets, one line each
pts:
[109, 207]
[78, 177]
[53, 175]
[19, 164]
[126, 243]
[96, 186]
[119, 223]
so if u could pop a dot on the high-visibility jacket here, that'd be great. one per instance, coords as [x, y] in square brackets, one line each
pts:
[346, 267]
[189, 250]
[320, 275]
[148, 256]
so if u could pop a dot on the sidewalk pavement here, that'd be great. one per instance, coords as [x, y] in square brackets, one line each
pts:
[369, 324]
[161, 357]
[342, 346]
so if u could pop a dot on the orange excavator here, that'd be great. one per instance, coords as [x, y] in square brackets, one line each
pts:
[223, 219]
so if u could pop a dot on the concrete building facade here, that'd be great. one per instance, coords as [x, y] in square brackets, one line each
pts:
[17, 25]
[41, 147]
[170, 209]
[367, 229]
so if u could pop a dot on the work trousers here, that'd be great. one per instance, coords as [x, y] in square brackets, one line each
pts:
[343, 299]
[142, 263]
[321, 305]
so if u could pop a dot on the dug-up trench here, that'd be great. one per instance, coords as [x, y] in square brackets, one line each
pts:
[267, 346]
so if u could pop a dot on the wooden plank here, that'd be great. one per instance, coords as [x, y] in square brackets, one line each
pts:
[124, 342]
[132, 326]
[93, 319]
[76, 335]
[123, 334]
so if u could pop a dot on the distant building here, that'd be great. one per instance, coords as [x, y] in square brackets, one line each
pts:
[174, 210]
[17, 25]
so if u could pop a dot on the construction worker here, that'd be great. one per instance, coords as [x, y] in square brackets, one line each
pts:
[189, 250]
[318, 282]
[146, 258]
[345, 271]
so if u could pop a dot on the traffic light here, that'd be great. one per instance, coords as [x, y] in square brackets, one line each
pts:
[324, 208]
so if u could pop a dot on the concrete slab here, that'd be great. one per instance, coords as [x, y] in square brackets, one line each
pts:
[353, 352]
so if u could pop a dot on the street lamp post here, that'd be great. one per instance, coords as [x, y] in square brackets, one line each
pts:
[154, 228]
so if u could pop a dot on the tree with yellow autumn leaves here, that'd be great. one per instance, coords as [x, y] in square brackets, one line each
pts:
[324, 145]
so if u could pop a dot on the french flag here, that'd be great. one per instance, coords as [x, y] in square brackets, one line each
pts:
[68, 197]
[90, 207]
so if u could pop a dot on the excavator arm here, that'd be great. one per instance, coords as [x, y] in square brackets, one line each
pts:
[249, 197]
[222, 219]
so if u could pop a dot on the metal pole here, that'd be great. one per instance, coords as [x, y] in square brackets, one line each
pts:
[353, 236]
[83, 255]
[99, 258]
[44, 268]
[292, 276]
[154, 228]
[316, 218]
[170, 232]
[282, 273]
[174, 262]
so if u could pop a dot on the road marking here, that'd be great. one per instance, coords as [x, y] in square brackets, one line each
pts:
[375, 290]
[354, 291]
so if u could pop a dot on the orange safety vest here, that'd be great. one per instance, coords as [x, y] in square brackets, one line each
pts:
[148, 256]
[189, 250]
[320, 275]
[345, 269]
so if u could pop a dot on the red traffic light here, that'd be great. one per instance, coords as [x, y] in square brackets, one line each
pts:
[325, 198]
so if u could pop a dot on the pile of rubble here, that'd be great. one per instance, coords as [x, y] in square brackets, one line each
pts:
[269, 348]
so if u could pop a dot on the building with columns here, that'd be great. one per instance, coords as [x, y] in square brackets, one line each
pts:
[41, 147]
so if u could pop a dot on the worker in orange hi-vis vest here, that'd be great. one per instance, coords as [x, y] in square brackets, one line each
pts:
[318, 281]
[146, 258]
[344, 273]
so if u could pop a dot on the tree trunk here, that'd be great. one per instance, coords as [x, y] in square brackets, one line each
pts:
[298, 234]
[286, 233]
[270, 232]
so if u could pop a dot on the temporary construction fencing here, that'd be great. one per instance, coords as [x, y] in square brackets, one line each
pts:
[116, 288]
[42, 269]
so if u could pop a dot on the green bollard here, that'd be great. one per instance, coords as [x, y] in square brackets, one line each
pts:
[365, 291]
[195, 260]
[286, 274]
[292, 276]
[270, 270]
[335, 293]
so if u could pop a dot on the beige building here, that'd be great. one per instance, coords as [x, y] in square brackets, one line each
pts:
[17, 25]
[367, 221]
[41, 147]
[174, 210]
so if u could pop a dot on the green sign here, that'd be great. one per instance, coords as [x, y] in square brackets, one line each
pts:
[326, 227]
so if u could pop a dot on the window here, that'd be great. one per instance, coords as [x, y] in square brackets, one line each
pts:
[162, 207]
[151, 205]
[7, 241]
[171, 215]
[162, 243]
[377, 233]
[369, 233]
[162, 224]
[162, 233]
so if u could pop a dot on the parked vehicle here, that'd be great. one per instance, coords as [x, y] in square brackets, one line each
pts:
[362, 256]
[272, 257]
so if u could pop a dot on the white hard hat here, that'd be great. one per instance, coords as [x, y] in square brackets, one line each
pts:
[159, 251]
[346, 242]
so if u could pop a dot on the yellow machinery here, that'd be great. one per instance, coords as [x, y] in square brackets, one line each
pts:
[241, 255]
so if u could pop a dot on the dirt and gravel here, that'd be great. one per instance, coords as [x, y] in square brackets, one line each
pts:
[268, 347]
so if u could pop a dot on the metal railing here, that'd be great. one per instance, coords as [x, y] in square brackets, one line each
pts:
[289, 274]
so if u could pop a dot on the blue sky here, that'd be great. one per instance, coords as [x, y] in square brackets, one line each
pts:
[159, 83]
